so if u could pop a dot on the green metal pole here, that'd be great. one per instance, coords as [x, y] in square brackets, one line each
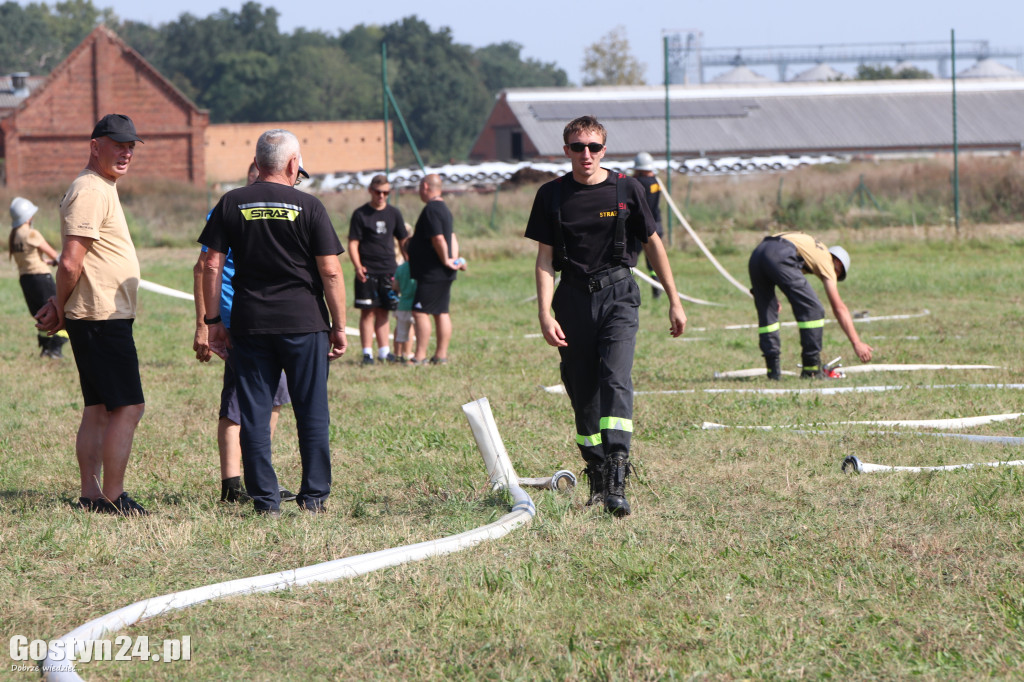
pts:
[668, 145]
[401, 119]
[956, 145]
[384, 102]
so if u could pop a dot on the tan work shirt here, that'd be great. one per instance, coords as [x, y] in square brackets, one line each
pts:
[109, 283]
[817, 259]
[27, 255]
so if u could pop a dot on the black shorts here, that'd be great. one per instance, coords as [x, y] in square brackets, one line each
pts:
[432, 298]
[229, 393]
[108, 365]
[378, 291]
[37, 289]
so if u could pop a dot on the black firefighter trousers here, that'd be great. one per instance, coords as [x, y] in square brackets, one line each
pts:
[775, 262]
[597, 364]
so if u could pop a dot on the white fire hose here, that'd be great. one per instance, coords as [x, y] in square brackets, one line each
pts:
[853, 463]
[700, 244]
[499, 470]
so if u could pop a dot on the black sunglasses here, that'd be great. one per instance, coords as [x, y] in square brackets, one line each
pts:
[578, 147]
[381, 192]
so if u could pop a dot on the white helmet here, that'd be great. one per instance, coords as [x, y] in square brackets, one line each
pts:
[22, 211]
[844, 258]
[643, 162]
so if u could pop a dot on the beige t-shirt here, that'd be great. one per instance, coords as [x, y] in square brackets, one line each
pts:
[27, 255]
[109, 283]
[817, 259]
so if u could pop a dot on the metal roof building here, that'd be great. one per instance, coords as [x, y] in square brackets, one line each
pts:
[848, 117]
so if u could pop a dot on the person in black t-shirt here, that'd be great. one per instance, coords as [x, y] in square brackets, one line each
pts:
[575, 221]
[288, 313]
[371, 235]
[643, 171]
[433, 261]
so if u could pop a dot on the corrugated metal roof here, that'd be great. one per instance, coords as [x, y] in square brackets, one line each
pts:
[782, 118]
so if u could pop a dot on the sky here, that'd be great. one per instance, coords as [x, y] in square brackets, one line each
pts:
[560, 32]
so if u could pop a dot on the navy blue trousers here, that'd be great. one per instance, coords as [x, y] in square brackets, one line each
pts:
[259, 359]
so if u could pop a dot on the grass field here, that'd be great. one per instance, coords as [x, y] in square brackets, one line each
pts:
[748, 555]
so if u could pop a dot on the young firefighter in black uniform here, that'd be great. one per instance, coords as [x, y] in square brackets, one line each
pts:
[643, 171]
[782, 260]
[591, 224]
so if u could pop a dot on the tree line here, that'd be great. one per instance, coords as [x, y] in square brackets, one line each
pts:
[243, 69]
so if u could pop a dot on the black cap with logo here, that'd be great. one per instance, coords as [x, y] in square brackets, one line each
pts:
[117, 127]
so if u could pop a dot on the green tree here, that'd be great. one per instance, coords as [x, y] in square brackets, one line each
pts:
[502, 66]
[191, 54]
[26, 41]
[35, 38]
[866, 72]
[442, 97]
[320, 83]
[610, 62]
[72, 20]
[240, 81]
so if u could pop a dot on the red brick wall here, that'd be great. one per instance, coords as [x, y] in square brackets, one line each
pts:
[501, 121]
[46, 138]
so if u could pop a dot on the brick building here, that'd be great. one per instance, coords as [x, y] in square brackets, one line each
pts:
[327, 146]
[43, 137]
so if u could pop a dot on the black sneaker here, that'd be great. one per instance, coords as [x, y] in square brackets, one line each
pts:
[85, 504]
[287, 495]
[367, 359]
[393, 359]
[123, 506]
[235, 496]
[269, 513]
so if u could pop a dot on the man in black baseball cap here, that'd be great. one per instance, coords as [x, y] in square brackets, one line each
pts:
[117, 127]
[96, 302]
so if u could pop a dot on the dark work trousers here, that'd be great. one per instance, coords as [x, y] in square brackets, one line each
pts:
[600, 329]
[259, 359]
[776, 262]
[38, 289]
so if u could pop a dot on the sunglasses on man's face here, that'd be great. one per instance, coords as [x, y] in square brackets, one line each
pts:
[578, 147]
[381, 192]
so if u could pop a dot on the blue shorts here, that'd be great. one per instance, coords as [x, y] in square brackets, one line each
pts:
[229, 393]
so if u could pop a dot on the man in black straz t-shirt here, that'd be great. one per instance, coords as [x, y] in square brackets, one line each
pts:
[371, 246]
[591, 225]
[288, 313]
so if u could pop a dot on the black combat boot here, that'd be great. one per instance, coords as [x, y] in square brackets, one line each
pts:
[812, 367]
[616, 471]
[54, 345]
[595, 474]
[774, 367]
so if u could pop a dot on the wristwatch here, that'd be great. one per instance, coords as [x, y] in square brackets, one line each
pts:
[211, 320]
